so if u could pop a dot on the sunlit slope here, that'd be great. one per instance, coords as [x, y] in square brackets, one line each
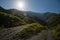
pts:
[8, 20]
[12, 18]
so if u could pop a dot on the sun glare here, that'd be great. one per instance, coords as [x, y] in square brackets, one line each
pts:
[20, 5]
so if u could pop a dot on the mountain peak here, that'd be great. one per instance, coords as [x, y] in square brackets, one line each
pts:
[1, 8]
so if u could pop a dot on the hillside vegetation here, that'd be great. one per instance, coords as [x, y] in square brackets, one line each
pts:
[30, 31]
[54, 25]
[8, 19]
[13, 18]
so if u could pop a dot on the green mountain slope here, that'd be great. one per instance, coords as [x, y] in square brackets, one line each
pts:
[54, 25]
[8, 20]
[12, 18]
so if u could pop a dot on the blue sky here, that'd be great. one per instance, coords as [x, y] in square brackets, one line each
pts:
[34, 5]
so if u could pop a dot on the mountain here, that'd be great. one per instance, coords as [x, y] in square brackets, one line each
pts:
[39, 17]
[7, 19]
[2, 9]
[29, 16]
[54, 20]
[43, 16]
[48, 15]
[36, 21]
[13, 17]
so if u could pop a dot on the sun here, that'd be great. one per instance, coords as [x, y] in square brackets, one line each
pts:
[20, 5]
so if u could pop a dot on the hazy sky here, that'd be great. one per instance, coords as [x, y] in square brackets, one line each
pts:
[34, 5]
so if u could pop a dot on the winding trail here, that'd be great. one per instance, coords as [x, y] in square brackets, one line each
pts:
[49, 35]
[8, 33]
[41, 36]
[44, 35]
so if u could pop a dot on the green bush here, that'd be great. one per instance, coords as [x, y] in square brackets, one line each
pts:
[56, 32]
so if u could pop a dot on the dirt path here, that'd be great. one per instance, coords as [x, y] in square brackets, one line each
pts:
[8, 33]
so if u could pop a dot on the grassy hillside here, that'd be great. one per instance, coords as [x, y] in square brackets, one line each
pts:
[13, 18]
[8, 20]
[54, 25]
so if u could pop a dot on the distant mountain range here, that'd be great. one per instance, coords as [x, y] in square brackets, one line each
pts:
[43, 16]
[28, 16]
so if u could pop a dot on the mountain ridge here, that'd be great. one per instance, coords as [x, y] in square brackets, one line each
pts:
[30, 16]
